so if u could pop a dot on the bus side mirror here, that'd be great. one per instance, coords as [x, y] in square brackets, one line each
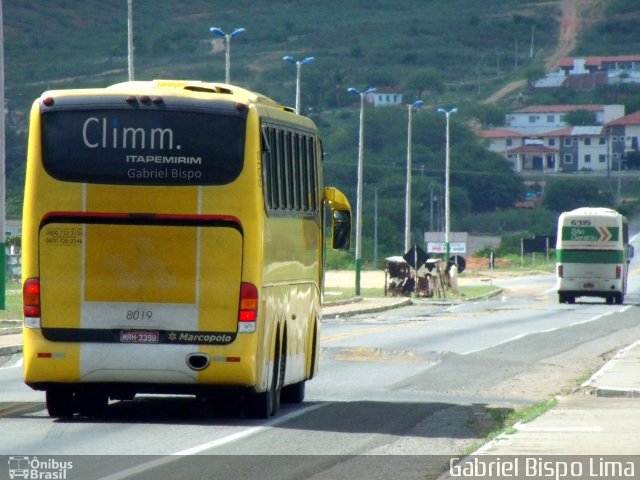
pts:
[631, 252]
[341, 230]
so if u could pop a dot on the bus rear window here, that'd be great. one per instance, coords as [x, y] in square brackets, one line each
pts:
[160, 147]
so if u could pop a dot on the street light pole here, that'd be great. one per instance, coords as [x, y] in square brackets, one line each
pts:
[130, 38]
[298, 64]
[359, 187]
[227, 48]
[407, 219]
[447, 200]
[2, 169]
[375, 226]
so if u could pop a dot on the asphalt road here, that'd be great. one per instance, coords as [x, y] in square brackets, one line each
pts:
[398, 394]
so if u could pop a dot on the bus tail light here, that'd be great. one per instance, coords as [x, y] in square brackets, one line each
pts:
[618, 271]
[248, 311]
[31, 298]
[560, 271]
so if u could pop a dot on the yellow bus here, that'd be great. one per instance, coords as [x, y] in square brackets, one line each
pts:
[173, 242]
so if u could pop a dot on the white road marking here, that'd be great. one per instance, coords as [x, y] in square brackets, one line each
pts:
[548, 330]
[18, 364]
[208, 445]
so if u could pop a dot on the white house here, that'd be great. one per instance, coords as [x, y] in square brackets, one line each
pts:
[625, 134]
[386, 96]
[568, 149]
[542, 118]
[581, 148]
[588, 73]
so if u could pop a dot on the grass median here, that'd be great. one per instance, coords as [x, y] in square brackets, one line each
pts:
[13, 305]
[466, 292]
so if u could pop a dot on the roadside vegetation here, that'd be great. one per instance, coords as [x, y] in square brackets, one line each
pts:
[490, 423]
[467, 292]
[424, 51]
[13, 305]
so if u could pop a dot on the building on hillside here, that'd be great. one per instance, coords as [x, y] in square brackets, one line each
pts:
[581, 149]
[570, 149]
[609, 64]
[624, 134]
[500, 140]
[588, 73]
[542, 118]
[386, 96]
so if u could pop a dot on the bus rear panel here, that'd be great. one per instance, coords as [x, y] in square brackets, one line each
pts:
[592, 255]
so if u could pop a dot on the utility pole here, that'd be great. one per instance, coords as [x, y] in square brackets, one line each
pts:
[531, 49]
[2, 169]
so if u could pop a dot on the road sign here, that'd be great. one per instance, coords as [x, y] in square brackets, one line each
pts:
[440, 247]
[590, 234]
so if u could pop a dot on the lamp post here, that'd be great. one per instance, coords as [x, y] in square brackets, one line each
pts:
[447, 205]
[130, 38]
[359, 188]
[407, 219]
[227, 48]
[298, 64]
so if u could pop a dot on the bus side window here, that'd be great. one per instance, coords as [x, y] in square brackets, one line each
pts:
[341, 230]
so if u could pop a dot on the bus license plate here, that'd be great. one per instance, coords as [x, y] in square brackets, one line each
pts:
[139, 336]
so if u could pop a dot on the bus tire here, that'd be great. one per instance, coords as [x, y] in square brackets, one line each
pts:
[264, 404]
[294, 393]
[566, 298]
[618, 298]
[59, 403]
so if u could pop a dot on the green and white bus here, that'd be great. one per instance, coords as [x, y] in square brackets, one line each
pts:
[592, 255]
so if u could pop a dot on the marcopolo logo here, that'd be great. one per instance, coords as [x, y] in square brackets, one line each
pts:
[38, 469]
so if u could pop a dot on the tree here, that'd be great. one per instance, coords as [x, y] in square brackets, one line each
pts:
[488, 115]
[580, 117]
[533, 73]
[567, 194]
[488, 178]
[422, 81]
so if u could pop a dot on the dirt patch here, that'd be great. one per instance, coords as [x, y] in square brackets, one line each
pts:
[347, 278]
[573, 17]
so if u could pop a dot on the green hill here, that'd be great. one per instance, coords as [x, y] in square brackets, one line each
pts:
[448, 53]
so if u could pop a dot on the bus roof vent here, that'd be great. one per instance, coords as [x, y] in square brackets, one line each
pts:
[199, 88]
[220, 89]
[288, 109]
[208, 88]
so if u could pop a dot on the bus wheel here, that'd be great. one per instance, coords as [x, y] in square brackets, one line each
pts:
[566, 298]
[59, 403]
[265, 404]
[294, 393]
[618, 298]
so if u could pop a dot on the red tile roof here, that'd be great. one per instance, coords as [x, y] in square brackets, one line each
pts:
[560, 108]
[563, 132]
[500, 133]
[631, 119]
[567, 62]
